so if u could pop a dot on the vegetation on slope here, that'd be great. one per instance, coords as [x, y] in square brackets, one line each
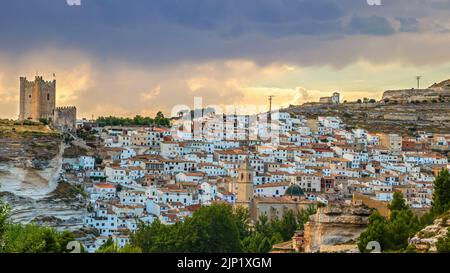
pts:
[215, 229]
[16, 238]
[393, 233]
[27, 128]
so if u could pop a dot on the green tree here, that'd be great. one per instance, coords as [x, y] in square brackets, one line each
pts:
[402, 225]
[288, 225]
[303, 216]
[392, 233]
[262, 225]
[441, 195]
[155, 238]
[242, 219]
[138, 120]
[130, 249]
[161, 120]
[398, 202]
[375, 231]
[16, 238]
[108, 247]
[34, 239]
[257, 243]
[218, 228]
[211, 229]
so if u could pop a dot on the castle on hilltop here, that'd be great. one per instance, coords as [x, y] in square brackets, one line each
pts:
[37, 98]
[38, 102]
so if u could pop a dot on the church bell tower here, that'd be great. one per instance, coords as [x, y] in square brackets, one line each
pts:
[243, 187]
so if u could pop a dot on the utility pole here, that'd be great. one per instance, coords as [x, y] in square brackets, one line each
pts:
[269, 118]
[418, 81]
[270, 103]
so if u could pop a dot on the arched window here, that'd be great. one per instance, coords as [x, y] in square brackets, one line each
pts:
[48, 96]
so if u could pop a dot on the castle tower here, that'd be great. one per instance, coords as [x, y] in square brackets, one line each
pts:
[65, 118]
[37, 99]
[243, 187]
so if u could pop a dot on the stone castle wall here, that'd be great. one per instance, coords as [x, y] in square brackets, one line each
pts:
[37, 98]
[65, 118]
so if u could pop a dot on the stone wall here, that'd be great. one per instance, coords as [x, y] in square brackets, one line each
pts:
[65, 118]
[381, 206]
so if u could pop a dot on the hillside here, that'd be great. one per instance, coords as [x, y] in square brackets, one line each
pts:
[388, 118]
[23, 144]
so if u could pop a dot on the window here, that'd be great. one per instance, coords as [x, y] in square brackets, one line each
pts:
[48, 96]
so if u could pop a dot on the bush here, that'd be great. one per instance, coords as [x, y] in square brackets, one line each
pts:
[44, 121]
[443, 244]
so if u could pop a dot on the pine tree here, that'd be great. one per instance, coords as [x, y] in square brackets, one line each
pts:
[398, 202]
[393, 233]
[441, 195]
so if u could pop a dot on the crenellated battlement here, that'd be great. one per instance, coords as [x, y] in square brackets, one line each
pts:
[36, 79]
[66, 108]
[65, 117]
[37, 98]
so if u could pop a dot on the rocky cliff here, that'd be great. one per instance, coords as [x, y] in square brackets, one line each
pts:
[335, 228]
[426, 239]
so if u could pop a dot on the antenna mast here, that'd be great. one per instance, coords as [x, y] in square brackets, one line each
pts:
[418, 81]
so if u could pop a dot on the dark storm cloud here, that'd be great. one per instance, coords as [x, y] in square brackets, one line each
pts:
[136, 56]
[167, 31]
[408, 24]
[370, 25]
[163, 30]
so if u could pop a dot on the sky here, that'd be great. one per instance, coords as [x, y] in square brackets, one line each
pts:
[122, 57]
